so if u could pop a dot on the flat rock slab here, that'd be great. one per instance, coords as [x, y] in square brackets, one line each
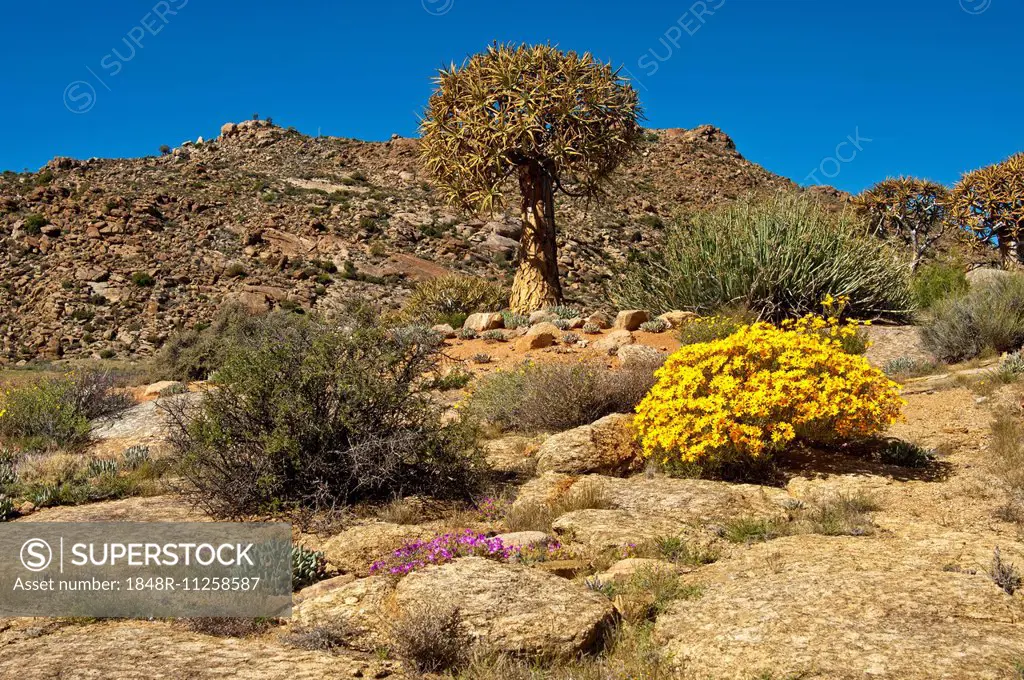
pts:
[151, 509]
[140, 650]
[646, 507]
[848, 607]
[146, 424]
[514, 609]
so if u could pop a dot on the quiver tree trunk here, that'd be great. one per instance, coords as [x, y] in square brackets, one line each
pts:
[536, 283]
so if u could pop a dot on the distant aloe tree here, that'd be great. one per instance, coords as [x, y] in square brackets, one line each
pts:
[557, 121]
[908, 210]
[990, 203]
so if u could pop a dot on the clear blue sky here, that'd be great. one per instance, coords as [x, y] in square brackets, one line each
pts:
[935, 85]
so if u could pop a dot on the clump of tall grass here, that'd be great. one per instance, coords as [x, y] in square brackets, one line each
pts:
[777, 256]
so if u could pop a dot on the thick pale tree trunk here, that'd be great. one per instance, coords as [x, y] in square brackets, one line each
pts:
[536, 283]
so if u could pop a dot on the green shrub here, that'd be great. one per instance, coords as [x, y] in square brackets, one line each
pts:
[902, 368]
[554, 397]
[55, 412]
[778, 256]
[34, 223]
[989, 318]
[143, 279]
[313, 416]
[937, 281]
[654, 326]
[195, 354]
[438, 300]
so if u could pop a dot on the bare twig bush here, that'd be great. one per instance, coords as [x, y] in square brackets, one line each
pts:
[431, 638]
[326, 636]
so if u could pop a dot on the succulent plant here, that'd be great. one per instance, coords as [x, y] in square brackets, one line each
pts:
[468, 334]
[654, 326]
[561, 324]
[591, 328]
[308, 567]
[100, 467]
[570, 338]
[135, 456]
[6, 507]
[493, 336]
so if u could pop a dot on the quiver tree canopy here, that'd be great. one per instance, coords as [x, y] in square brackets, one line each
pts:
[559, 121]
[990, 203]
[906, 209]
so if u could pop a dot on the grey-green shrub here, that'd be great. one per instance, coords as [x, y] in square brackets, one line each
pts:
[312, 415]
[55, 412]
[552, 397]
[989, 318]
[777, 256]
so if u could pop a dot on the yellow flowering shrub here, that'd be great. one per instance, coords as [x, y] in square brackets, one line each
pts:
[759, 390]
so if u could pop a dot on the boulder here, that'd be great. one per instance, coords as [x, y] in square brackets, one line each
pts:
[523, 539]
[676, 318]
[356, 548]
[630, 319]
[599, 319]
[513, 454]
[539, 336]
[444, 330]
[613, 341]
[359, 605]
[158, 388]
[597, 447]
[514, 609]
[484, 321]
[640, 356]
[649, 507]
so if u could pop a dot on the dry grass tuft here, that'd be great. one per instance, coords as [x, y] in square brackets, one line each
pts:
[431, 638]
[538, 515]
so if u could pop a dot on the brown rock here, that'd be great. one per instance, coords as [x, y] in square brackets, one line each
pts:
[539, 336]
[630, 319]
[614, 340]
[356, 548]
[484, 321]
[676, 318]
[590, 448]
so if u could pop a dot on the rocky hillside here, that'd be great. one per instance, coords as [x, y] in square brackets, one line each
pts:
[107, 257]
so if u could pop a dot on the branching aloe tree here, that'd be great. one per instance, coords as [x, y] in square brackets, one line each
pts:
[556, 121]
[908, 210]
[990, 202]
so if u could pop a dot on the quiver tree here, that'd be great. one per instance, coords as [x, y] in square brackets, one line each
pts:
[990, 203]
[908, 210]
[558, 121]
